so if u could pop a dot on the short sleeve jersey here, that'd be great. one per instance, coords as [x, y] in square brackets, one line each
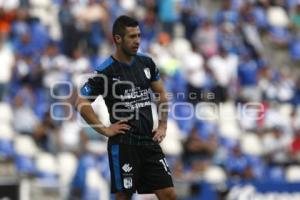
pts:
[127, 95]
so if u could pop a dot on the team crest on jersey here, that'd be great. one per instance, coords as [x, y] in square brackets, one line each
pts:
[147, 73]
[127, 182]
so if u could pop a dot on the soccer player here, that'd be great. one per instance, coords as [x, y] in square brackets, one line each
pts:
[136, 160]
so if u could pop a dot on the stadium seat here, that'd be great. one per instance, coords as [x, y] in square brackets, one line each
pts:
[180, 46]
[171, 145]
[229, 129]
[251, 144]
[85, 162]
[215, 175]
[6, 114]
[227, 110]
[293, 173]
[47, 171]
[46, 163]
[275, 173]
[96, 186]
[285, 111]
[67, 165]
[25, 145]
[184, 115]
[277, 17]
[25, 149]
[6, 141]
[207, 112]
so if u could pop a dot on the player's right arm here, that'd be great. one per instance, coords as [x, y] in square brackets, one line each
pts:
[83, 105]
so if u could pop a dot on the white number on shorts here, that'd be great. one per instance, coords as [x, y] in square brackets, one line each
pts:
[164, 163]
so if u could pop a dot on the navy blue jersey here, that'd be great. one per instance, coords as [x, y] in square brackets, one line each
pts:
[127, 95]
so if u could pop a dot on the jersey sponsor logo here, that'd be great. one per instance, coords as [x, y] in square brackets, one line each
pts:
[147, 73]
[126, 168]
[127, 182]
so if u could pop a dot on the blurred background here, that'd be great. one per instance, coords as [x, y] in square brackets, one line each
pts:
[233, 53]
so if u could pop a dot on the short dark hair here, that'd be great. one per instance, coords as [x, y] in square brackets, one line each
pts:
[121, 23]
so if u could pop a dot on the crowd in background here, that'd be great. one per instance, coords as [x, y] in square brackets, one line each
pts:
[217, 57]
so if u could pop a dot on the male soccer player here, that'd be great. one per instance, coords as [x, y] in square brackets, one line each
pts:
[136, 160]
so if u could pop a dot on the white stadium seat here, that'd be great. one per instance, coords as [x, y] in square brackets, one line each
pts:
[293, 173]
[6, 132]
[46, 163]
[97, 187]
[24, 145]
[215, 175]
[67, 165]
[171, 145]
[6, 114]
[251, 144]
[228, 124]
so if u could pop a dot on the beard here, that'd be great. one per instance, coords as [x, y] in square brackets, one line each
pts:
[126, 51]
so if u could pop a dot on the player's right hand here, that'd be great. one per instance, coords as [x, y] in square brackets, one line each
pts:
[119, 127]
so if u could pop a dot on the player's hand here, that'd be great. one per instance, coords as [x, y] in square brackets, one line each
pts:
[119, 127]
[159, 134]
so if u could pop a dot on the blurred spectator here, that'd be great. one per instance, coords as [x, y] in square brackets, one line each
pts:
[194, 74]
[191, 15]
[91, 20]
[25, 121]
[70, 34]
[45, 134]
[7, 60]
[168, 15]
[276, 145]
[295, 146]
[250, 30]
[296, 97]
[149, 28]
[79, 64]
[238, 165]
[248, 72]
[295, 18]
[55, 66]
[71, 136]
[228, 38]
[205, 39]
[196, 146]
[226, 14]
[223, 67]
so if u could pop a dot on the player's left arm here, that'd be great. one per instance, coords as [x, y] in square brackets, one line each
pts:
[162, 103]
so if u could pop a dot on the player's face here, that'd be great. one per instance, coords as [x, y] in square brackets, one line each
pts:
[131, 40]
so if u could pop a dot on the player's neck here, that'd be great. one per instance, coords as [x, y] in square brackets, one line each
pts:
[121, 57]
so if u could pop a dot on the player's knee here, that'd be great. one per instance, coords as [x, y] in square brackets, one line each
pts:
[171, 195]
[168, 194]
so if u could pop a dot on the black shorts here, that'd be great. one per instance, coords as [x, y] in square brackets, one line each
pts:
[138, 168]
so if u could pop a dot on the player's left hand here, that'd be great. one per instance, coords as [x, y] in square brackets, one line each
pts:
[159, 134]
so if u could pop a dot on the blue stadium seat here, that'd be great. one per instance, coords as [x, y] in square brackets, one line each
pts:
[25, 165]
[6, 148]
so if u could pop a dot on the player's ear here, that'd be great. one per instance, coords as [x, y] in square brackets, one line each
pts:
[118, 39]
